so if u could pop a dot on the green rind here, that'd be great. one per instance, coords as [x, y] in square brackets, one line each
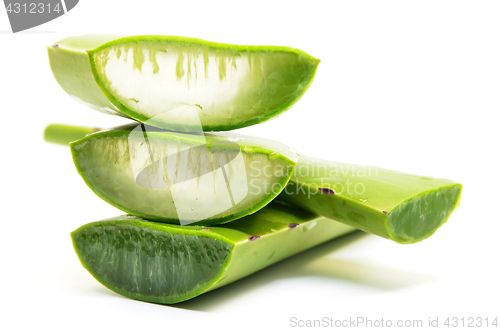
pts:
[276, 241]
[91, 44]
[186, 138]
[382, 207]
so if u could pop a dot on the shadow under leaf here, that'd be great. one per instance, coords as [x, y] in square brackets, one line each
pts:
[313, 262]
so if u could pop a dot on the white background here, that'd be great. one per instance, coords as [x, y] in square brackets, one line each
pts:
[407, 85]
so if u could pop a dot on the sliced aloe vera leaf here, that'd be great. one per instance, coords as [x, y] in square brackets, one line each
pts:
[181, 83]
[165, 263]
[183, 178]
[64, 134]
[398, 206]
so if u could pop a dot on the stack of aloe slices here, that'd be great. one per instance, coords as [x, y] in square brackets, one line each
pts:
[207, 208]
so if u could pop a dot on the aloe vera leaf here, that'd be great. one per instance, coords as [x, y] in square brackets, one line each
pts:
[183, 178]
[64, 134]
[179, 83]
[165, 263]
[398, 206]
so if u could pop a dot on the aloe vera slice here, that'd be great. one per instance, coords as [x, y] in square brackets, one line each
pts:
[165, 263]
[394, 205]
[182, 84]
[183, 178]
